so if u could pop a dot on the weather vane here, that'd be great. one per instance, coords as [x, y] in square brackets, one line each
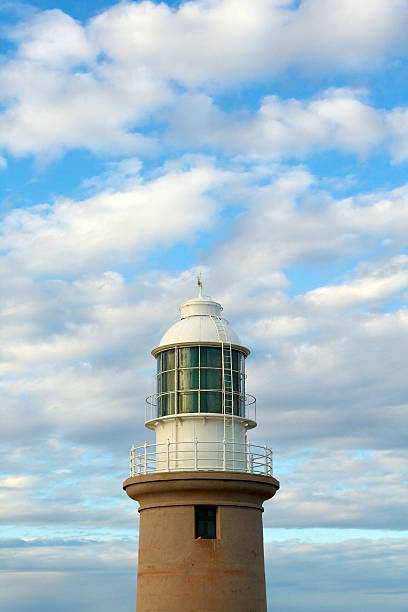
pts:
[200, 284]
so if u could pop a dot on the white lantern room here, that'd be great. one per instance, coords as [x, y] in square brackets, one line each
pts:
[200, 412]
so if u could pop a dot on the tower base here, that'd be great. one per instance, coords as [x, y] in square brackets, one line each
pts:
[180, 572]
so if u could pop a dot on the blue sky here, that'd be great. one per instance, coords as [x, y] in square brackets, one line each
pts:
[264, 144]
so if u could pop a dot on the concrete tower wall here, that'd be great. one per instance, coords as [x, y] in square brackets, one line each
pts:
[178, 572]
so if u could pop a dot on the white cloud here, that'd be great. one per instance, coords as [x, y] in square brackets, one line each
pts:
[17, 482]
[340, 386]
[52, 38]
[100, 85]
[377, 286]
[224, 41]
[53, 109]
[335, 488]
[289, 221]
[350, 575]
[337, 119]
[281, 326]
[119, 225]
[79, 575]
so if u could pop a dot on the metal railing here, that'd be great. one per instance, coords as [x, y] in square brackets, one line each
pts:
[200, 455]
[152, 408]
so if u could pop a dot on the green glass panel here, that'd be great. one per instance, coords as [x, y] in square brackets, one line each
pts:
[210, 379]
[188, 379]
[160, 406]
[167, 404]
[237, 361]
[210, 357]
[159, 384]
[188, 357]
[242, 405]
[211, 401]
[158, 359]
[168, 362]
[188, 402]
[168, 381]
[239, 407]
[239, 382]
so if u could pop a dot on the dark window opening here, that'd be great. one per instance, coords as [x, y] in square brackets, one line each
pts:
[206, 522]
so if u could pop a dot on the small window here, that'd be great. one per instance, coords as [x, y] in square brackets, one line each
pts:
[206, 522]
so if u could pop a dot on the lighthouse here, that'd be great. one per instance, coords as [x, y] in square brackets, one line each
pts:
[201, 486]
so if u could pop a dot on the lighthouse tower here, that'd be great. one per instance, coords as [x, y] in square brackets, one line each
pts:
[202, 484]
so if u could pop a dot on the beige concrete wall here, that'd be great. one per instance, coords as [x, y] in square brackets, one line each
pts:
[178, 573]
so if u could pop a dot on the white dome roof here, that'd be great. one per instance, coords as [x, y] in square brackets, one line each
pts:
[200, 322]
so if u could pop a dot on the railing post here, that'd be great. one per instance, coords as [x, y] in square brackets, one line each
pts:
[139, 465]
[195, 454]
[168, 454]
[248, 456]
[132, 461]
[224, 442]
[265, 460]
[145, 457]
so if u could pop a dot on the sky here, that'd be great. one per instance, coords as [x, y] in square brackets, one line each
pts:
[263, 143]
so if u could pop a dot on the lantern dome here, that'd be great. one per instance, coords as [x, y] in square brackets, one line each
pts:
[200, 322]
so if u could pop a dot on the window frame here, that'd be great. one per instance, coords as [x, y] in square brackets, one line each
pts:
[202, 533]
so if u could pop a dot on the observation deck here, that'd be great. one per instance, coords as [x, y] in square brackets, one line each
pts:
[198, 455]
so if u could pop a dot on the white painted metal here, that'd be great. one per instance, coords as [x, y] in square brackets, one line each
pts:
[198, 324]
[150, 458]
[151, 410]
[196, 329]
[205, 428]
[227, 379]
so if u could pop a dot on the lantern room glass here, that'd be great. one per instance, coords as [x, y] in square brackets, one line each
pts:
[190, 379]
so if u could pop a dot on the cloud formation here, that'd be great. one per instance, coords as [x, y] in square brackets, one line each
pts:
[223, 41]
[77, 234]
[337, 119]
[258, 143]
[358, 575]
[105, 84]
